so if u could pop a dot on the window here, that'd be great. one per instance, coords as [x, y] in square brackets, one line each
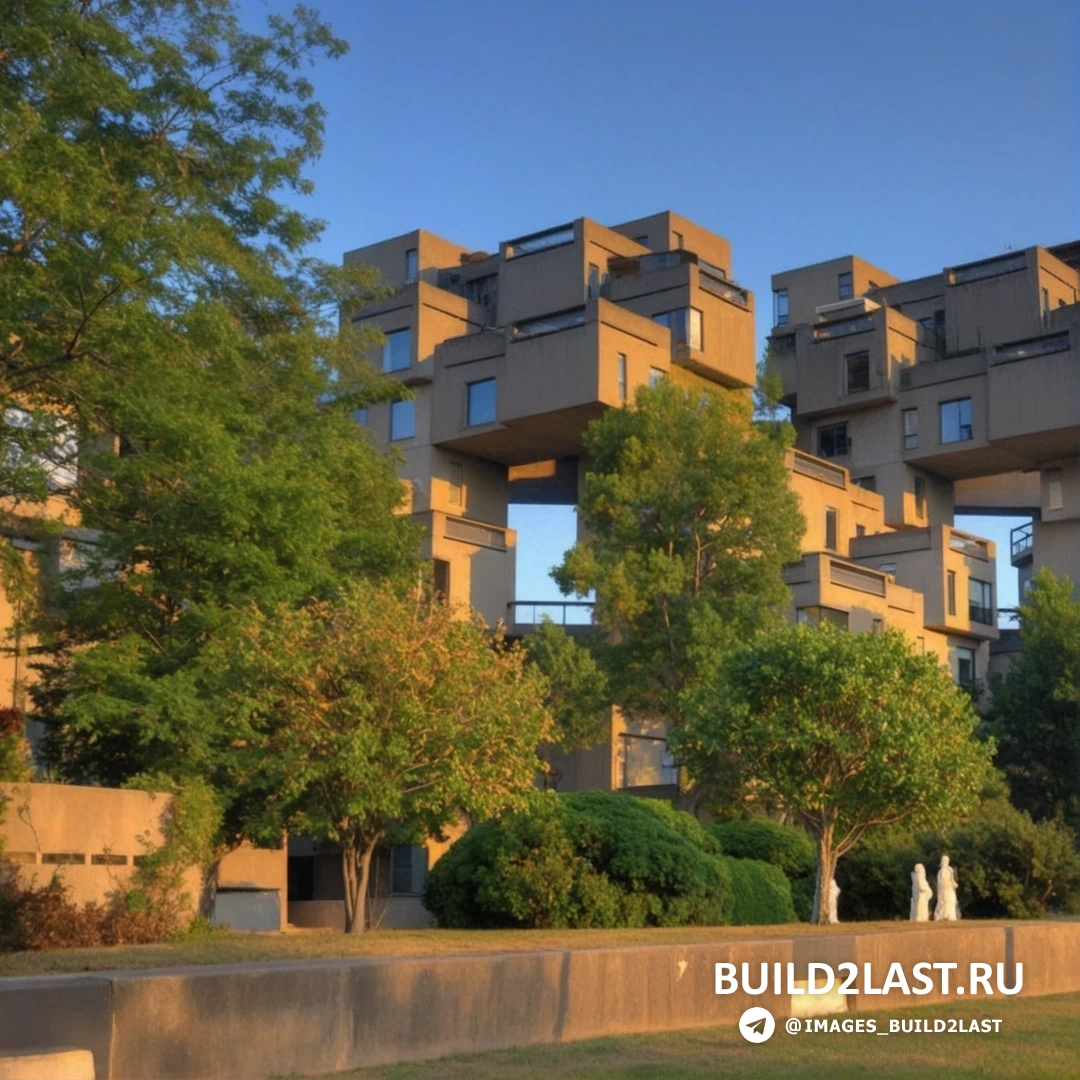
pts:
[981, 601]
[482, 290]
[549, 324]
[832, 441]
[951, 591]
[815, 615]
[642, 240]
[594, 282]
[408, 869]
[867, 483]
[397, 352]
[877, 626]
[621, 371]
[830, 528]
[360, 416]
[860, 530]
[455, 487]
[1045, 304]
[441, 577]
[779, 307]
[411, 266]
[911, 429]
[402, 420]
[846, 286]
[481, 402]
[920, 497]
[655, 375]
[678, 237]
[888, 568]
[858, 371]
[920, 645]
[956, 420]
[685, 326]
[965, 667]
[1055, 491]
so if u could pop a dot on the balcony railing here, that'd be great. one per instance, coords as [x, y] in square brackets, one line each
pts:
[723, 288]
[647, 762]
[541, 241]
[1021, 540]
[841, 328]
[978, 613]
[1025, 350]
[986, 268]
[560, 612]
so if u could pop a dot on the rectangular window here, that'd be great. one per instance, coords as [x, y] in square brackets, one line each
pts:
[911, 429]
[780, 307]
[481, 402]
[846, 286]
[685, 326]
[888, 568]
[655, 376]
[815, 615]
[1045, 304]
[621, 366]
[965, 667]
[411, 266]
[402, 420]
[832, 441]
[594, 282]
[455, 487]
[360, 416]
[860, 530]
[397, 352]
[830, 528]
[878, 626]
[981, 601]
[956, 420]
[858, 371]
[1055, 490]
[549, 324]
[408, 869]
[867, 483]
[950, 579]
[920, 497]
[678, 237]
[441, 577]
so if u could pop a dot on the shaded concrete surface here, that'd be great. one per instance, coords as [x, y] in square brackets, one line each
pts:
[53, 1065]
[316, 1016]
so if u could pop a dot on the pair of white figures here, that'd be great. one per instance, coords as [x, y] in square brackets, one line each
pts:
[945, 910]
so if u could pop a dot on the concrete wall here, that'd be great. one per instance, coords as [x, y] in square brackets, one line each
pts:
[258, 1020]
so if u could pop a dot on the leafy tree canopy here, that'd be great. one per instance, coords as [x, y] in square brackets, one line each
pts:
[1035, 712]
[690, 520]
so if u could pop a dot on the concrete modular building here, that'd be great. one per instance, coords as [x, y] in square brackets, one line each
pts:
[953, 393]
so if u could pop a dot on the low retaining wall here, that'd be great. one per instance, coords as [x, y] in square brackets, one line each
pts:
[258, 1020]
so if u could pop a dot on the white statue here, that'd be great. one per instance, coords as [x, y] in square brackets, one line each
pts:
[946, 910]
[834, 898]
[920, 894]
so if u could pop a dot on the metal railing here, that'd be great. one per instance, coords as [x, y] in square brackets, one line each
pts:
[978, 613]
[1021, 539]
[560, 612]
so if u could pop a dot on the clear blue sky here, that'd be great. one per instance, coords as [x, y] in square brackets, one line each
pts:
[915, 134]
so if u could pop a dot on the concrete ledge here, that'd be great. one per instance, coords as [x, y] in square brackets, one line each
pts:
[48, 1065]
[258, 1020]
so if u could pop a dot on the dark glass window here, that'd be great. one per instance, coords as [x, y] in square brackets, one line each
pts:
[858, 371]
[481, 402]
[832, 441]
[780, 307]
[956, 420]
[846, 286]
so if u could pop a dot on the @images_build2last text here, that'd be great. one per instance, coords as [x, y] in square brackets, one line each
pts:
[821, 978]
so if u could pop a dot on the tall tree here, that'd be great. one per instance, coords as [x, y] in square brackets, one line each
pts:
[1035, 710]
[159, 318]
[382, 710]
[849, 731]
[690, 520]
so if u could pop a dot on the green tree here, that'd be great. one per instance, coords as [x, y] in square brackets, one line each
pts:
[850, 731]
[158, 316]
[1035, 711]
[690, 520]
[380, 712]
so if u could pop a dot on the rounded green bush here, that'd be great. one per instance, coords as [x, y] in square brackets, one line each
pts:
[762, 893]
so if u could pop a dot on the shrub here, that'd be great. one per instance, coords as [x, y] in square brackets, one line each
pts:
[1008, 866]
[762, 893]
[789, 849]
[589, 859]
[14, 752]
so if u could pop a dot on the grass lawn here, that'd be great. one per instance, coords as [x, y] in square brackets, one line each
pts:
[228, 948]
[1039, 1038]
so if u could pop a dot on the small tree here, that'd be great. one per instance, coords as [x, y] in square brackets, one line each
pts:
[850, 731]
[380, 711]
[1035, 714]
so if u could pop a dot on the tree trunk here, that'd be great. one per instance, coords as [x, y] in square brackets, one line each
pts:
[356, 871]
[826, 868]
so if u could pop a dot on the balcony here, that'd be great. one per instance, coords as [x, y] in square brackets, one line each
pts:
[977, 613]
[1020, 543]
[540, 241]
[524, 616]
[986, 268]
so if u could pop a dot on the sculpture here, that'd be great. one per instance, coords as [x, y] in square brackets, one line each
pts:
[946, 910]
[920, 894]
[834, 897]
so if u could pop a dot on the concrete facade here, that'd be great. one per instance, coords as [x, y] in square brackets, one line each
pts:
[94, 838]
[955, 392]
[259, 1020]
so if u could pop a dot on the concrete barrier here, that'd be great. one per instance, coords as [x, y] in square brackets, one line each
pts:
[259, 1020]
[59, 1064]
